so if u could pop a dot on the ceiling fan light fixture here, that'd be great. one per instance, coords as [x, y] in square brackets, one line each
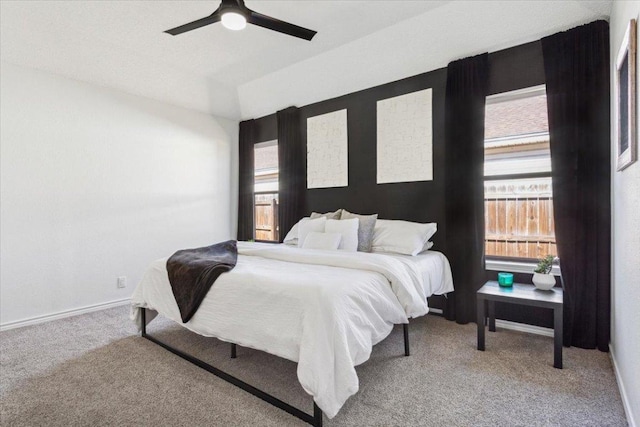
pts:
[234, 20]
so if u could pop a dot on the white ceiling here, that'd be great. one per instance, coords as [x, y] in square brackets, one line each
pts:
[121, 44]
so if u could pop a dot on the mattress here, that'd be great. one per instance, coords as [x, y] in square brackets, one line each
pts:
[434, 268]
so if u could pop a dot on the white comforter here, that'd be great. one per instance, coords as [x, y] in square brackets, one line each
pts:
[322, 309]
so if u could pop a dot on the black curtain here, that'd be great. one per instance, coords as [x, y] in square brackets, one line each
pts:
[576, 64]
[467, 88]
[246, 180]
[291, 169]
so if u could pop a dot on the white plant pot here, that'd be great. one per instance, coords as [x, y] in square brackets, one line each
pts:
[544, 282]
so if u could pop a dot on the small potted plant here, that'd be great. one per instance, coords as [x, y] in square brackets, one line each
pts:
[542, 277]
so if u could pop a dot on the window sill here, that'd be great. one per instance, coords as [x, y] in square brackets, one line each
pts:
[516, 266]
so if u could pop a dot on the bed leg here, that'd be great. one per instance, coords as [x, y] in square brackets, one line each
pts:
[317, 415]
[143, 321]
[405, 329]
[233, 351]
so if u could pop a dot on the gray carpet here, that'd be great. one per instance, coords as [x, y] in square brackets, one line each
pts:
[94, 370]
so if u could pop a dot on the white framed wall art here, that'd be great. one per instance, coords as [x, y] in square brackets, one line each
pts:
[405, 138]
[327, 150]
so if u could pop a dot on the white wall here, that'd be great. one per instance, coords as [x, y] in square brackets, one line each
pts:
[95, 184]
[625, 314]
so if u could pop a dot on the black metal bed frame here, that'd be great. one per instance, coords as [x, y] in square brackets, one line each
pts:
[315, 419]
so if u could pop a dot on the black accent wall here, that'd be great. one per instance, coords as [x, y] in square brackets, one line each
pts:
[514, 68]
[412, 201]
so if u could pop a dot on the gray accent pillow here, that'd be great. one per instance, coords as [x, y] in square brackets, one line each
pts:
[366, 226]
[328, 215]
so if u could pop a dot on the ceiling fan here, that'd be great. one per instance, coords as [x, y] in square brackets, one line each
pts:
[235, 15]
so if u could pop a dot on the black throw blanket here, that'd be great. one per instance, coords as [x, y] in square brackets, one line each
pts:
[193, 271]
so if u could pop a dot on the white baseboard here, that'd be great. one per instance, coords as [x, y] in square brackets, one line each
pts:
[514, 326]
[623, 393]
[523, 327]
[63, 314]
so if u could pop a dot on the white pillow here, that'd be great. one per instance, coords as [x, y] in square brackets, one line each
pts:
[348, 228]
[326, 241]
[402, 237]
[307, 226]
[292, 236]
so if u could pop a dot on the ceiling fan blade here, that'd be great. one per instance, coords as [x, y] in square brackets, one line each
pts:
[211, 19]
[274, 24]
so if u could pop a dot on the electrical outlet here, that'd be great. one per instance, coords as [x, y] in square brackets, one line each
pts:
[122, 281]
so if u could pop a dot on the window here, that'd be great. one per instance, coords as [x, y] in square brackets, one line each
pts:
[266, 191]
[517, 169]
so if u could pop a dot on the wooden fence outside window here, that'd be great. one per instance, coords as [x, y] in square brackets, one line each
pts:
[519, 218]
[266, 216]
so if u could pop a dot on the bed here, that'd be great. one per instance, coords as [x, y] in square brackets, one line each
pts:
[322, 309]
